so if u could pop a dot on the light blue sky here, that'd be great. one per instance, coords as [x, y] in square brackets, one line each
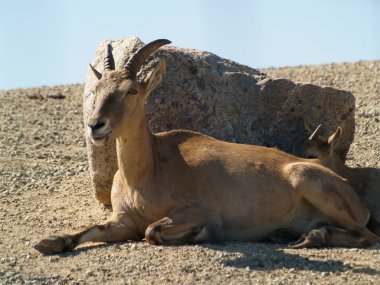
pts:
[45, 42]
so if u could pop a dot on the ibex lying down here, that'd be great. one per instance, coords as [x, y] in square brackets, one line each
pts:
[184, 187]
[365, 181]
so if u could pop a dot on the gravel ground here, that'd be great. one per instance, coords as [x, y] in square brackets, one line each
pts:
[45, 189]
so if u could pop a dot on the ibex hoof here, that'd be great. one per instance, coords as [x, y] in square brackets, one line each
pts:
[51, 245]
[314, 238]
[152, 236]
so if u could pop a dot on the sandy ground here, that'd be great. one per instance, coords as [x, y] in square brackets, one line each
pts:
[45, 189]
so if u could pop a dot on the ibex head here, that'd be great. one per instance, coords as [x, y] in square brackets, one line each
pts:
[119, 97]
[322, 148]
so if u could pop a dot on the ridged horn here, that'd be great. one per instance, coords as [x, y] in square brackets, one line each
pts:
[109, 62]
[96, 73]
[315, 134]
[138, 58]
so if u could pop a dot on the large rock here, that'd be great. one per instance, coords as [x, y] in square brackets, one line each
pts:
[226, 100]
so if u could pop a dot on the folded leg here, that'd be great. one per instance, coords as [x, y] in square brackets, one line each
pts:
[336, 237]
[184, 226]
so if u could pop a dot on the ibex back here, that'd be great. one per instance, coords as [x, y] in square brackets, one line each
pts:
[184, 187]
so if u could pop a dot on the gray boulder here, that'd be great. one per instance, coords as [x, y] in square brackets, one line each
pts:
[223, 99]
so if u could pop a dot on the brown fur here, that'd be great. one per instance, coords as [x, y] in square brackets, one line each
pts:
[184, 187]
[365, 181]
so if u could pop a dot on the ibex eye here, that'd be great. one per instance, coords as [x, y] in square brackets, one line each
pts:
[132, 92]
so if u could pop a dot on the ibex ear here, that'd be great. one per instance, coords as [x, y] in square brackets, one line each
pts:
[333, 140]
[154, 77]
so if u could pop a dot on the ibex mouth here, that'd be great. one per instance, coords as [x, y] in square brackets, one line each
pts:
[100, 140]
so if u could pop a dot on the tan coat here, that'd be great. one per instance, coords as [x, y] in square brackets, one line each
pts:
[184, 187]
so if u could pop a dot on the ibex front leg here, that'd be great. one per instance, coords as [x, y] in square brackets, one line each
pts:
[187, 225]
[116, 229]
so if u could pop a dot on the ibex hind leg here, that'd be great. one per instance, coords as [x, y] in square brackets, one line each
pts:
[329, 193]
[336, 200]
[333, 236]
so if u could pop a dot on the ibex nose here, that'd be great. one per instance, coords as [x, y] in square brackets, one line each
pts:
[98, 130]
[96, 125]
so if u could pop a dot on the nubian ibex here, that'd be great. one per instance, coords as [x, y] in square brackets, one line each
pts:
[365, 181]
[181, 186]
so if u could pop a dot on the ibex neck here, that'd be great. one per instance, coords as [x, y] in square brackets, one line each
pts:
[135, 154]
[353, 175]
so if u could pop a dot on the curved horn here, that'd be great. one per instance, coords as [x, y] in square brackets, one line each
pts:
[138, 58]
[109, 62]
[96, 73]
[315, 134]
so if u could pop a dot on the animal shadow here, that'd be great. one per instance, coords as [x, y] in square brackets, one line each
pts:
[267, 256]
[258, 257]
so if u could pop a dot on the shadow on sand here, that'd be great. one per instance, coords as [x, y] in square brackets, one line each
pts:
[267, 256]
[260, 256]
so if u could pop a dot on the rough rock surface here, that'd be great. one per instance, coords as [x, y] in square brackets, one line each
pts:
[224, 99]
[45, 189]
